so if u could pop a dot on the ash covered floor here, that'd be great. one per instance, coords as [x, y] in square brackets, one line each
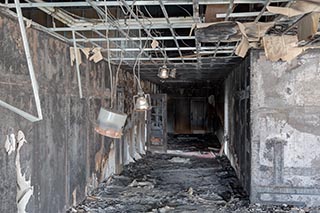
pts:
[190, 179]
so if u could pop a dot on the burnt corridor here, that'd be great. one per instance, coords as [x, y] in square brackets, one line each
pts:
[189, 178]
[159, 106]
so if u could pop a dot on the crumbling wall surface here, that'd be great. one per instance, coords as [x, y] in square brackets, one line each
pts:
[237, 121]
[63, 156]
[285, 112]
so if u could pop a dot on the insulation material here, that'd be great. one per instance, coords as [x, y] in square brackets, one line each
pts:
[96, 55]
[243, 47]
[281, 47]
[216, 31]
[256, 29]
[251, 29]
[72, 56]
[10, 144]
[211, 32]
[86, 52]
[154, 44]
[299, 7]
[93, 54]
[28, 23]
[308, 26]
[24, 188]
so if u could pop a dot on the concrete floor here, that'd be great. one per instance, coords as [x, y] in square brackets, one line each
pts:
[186, 181]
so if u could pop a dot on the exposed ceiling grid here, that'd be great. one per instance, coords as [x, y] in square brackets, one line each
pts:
[168, 22]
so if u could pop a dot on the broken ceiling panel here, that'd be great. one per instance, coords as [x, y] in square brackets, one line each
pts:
[299, 7]
[281, 47]
[216, 31]
[308, 26]
[164, 30]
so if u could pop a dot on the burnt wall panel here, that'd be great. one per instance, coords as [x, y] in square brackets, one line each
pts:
[285, 112]
[237, 121]
[64, 157]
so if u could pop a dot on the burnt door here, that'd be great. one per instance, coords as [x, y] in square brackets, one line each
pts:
[157, 124]
[198, 115]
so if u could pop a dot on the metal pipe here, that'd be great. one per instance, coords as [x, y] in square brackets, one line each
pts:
[77, 63]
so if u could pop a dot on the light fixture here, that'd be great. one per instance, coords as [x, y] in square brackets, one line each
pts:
[173, 73]
[141, 101]
[110, 123]
[163, 72]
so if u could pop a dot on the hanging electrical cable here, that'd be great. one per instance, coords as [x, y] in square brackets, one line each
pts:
[111, 122]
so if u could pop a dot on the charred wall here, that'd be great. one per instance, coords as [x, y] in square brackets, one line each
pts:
[64, 157]
[237, 121]
[285, 121]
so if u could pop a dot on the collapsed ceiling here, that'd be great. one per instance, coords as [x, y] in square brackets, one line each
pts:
[202, 39]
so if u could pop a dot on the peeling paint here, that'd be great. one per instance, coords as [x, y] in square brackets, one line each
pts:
[10, 144]
[24, 188]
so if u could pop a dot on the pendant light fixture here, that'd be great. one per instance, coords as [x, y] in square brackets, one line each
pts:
[141, 101]
[163, 72]
[173, 73]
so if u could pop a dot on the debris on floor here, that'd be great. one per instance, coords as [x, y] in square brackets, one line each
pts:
[179, 160]
[175, 183]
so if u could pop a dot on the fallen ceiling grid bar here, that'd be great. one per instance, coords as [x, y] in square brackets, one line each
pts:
[34, 83]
